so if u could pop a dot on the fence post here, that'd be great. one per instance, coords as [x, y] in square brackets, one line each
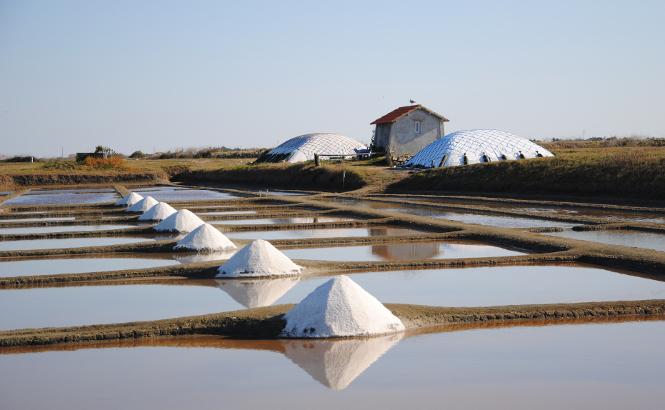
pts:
[317, 160]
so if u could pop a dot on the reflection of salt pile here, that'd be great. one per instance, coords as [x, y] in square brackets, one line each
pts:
[259, 258]
[129, 200]
[337, 363]
[181, 221]
[204, 257]
[205, 238]
[257, 293]
[158, 212]
[143, 205]
[340, 308]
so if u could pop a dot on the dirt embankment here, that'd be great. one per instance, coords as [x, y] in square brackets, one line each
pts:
[609, 176]
[264, 323]
[70, 179]
[280, 176]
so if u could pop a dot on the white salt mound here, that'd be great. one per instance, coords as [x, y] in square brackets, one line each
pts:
[182, 221]
[205, 238]
[259, 258]
[340, 308]
[130, 199]
[158, 212]
[143, 205]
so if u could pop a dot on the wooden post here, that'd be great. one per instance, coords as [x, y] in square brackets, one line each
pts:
[317, 160]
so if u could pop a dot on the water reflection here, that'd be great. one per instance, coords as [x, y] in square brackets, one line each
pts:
[205, 257]
[320, 233]
[644, 240]
[257, 293]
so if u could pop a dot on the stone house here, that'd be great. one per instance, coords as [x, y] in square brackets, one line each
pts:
[406, 130]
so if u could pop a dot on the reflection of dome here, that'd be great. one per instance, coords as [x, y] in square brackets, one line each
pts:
[406, 251]
[303, 148]
[474, 146]
[257, 293]
[337, 363]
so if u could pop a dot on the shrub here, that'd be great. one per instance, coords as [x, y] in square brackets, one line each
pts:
[115, 162]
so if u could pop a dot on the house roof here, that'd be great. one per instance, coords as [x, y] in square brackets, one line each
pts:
[398, 113]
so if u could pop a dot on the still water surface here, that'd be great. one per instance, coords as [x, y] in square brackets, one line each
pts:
[598, 366]
[505, 285]
[644, 240]
[66, 243]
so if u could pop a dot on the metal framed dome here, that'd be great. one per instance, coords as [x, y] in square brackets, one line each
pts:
[303, 147]
[475, 146]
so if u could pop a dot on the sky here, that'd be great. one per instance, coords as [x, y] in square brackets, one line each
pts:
[158, 75]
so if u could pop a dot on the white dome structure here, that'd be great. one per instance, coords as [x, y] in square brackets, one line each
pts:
[158, 212]
[182, 221]
[258, 259]
[303, 148]
[143, 205]
[473, 147]
[205, 238]
[129, 199]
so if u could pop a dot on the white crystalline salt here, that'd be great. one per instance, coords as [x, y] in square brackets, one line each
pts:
[158, 212]
[143, 205]
[130, 199]
[182, 221]
[340, 308]
[205, 238]
[259, 258]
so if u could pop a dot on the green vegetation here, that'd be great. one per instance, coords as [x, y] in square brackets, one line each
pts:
[632, 172]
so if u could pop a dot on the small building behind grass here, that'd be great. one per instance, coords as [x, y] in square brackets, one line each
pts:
[406, 130]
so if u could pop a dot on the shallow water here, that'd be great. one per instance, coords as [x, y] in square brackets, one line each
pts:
[401, 251]
[604, 366]
[322, 233]
[226, 213]
[470, 218]
[644, 240]
[184, 194]
[68, 228]
[77, 265]
[296, 220]
[29, 219]
[56, 198]
[443, 287]
[66, 243]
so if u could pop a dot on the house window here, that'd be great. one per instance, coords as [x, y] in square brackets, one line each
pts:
[417, 127]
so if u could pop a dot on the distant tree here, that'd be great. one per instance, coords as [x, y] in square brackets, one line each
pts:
[137, 155]
[107, 151]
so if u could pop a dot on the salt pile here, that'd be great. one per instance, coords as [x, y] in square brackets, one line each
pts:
[143, 205]
[259, 258]
[337, 363]
[129, 200]
[158, 212]
[257, 292]
[340, 308]
[182, 221]
[205, 238]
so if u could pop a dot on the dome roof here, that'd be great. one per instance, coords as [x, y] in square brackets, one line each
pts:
[303, 148]
[478, 146]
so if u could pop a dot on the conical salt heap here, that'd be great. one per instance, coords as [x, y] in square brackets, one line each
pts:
[130, 199]
[337, 363]
[255, 293]
[158, 212]
[143, 205]
[257, 259]
[182, 221]
[205, 238]
[340, 308]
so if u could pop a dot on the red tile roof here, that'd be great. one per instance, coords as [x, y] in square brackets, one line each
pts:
[397, 113]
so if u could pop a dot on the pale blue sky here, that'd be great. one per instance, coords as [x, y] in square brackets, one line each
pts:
[166, 74]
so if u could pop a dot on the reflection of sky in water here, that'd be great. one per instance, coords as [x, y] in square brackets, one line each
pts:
[69, 228]
[299, 220]
[63, 198]
[179, 194]
[66, 243]
[77, 265]
[609, 366]
[226, 213]
[401, 251]
[29, 219]
[625, 238]
[444, 287]
[322, 233]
